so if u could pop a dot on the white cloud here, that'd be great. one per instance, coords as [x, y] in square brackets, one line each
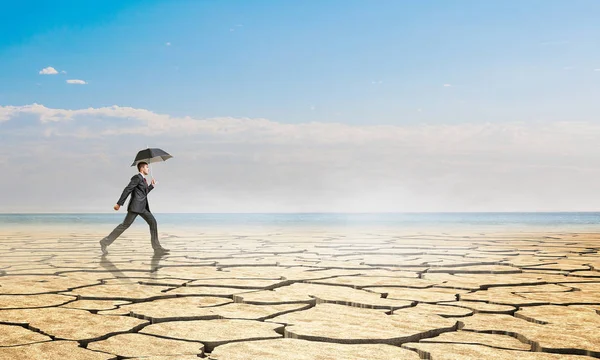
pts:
[48, 71]
[63, 72]
[253, 164]
[76, 81]
[168, 44]
[447, 85]
[258, 130]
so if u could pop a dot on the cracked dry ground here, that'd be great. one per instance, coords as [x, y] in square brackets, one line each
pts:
[300, 295]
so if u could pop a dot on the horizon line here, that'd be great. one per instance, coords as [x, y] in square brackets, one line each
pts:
[314, 212]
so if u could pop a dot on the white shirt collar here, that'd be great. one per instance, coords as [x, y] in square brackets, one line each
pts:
[142, 174]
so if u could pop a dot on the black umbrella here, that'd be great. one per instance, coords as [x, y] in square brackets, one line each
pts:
[151, 156]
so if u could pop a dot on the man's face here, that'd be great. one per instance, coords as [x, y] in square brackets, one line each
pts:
[144, 169]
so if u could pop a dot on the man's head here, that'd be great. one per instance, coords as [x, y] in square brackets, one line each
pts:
[143, 167]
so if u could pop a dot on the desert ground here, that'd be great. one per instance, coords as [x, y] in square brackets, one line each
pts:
[232, 294]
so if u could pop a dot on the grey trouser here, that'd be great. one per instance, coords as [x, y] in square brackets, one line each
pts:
[146, 215]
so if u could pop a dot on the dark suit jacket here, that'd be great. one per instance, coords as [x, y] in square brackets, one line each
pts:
[139, 192]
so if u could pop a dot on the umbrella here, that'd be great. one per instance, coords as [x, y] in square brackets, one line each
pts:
[151, 156]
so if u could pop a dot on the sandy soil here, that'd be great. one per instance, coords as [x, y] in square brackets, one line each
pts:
[300, 294]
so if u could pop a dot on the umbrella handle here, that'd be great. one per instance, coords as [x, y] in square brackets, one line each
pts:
[150, 167]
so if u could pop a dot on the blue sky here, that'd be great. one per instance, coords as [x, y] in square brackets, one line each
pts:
[439, 105]
[344, 61]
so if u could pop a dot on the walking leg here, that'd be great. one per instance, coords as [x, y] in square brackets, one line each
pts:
[147, 215]
[119, 229]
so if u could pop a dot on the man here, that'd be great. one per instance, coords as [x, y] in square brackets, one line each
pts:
[138, 205]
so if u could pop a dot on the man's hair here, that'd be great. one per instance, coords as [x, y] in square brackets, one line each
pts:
[140, 164]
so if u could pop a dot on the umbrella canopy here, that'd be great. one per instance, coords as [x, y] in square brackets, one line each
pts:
[151, 156]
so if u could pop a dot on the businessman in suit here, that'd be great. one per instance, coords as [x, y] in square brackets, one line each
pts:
[138, 205]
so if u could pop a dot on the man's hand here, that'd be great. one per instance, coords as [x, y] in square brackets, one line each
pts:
[117, 207]
[153, 182]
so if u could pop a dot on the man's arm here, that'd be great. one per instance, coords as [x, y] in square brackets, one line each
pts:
[135, 180]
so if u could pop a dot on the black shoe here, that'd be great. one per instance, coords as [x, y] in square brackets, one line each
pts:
[103, 248]
[161, 251]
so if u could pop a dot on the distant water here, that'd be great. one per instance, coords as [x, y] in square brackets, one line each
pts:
[556, 220]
